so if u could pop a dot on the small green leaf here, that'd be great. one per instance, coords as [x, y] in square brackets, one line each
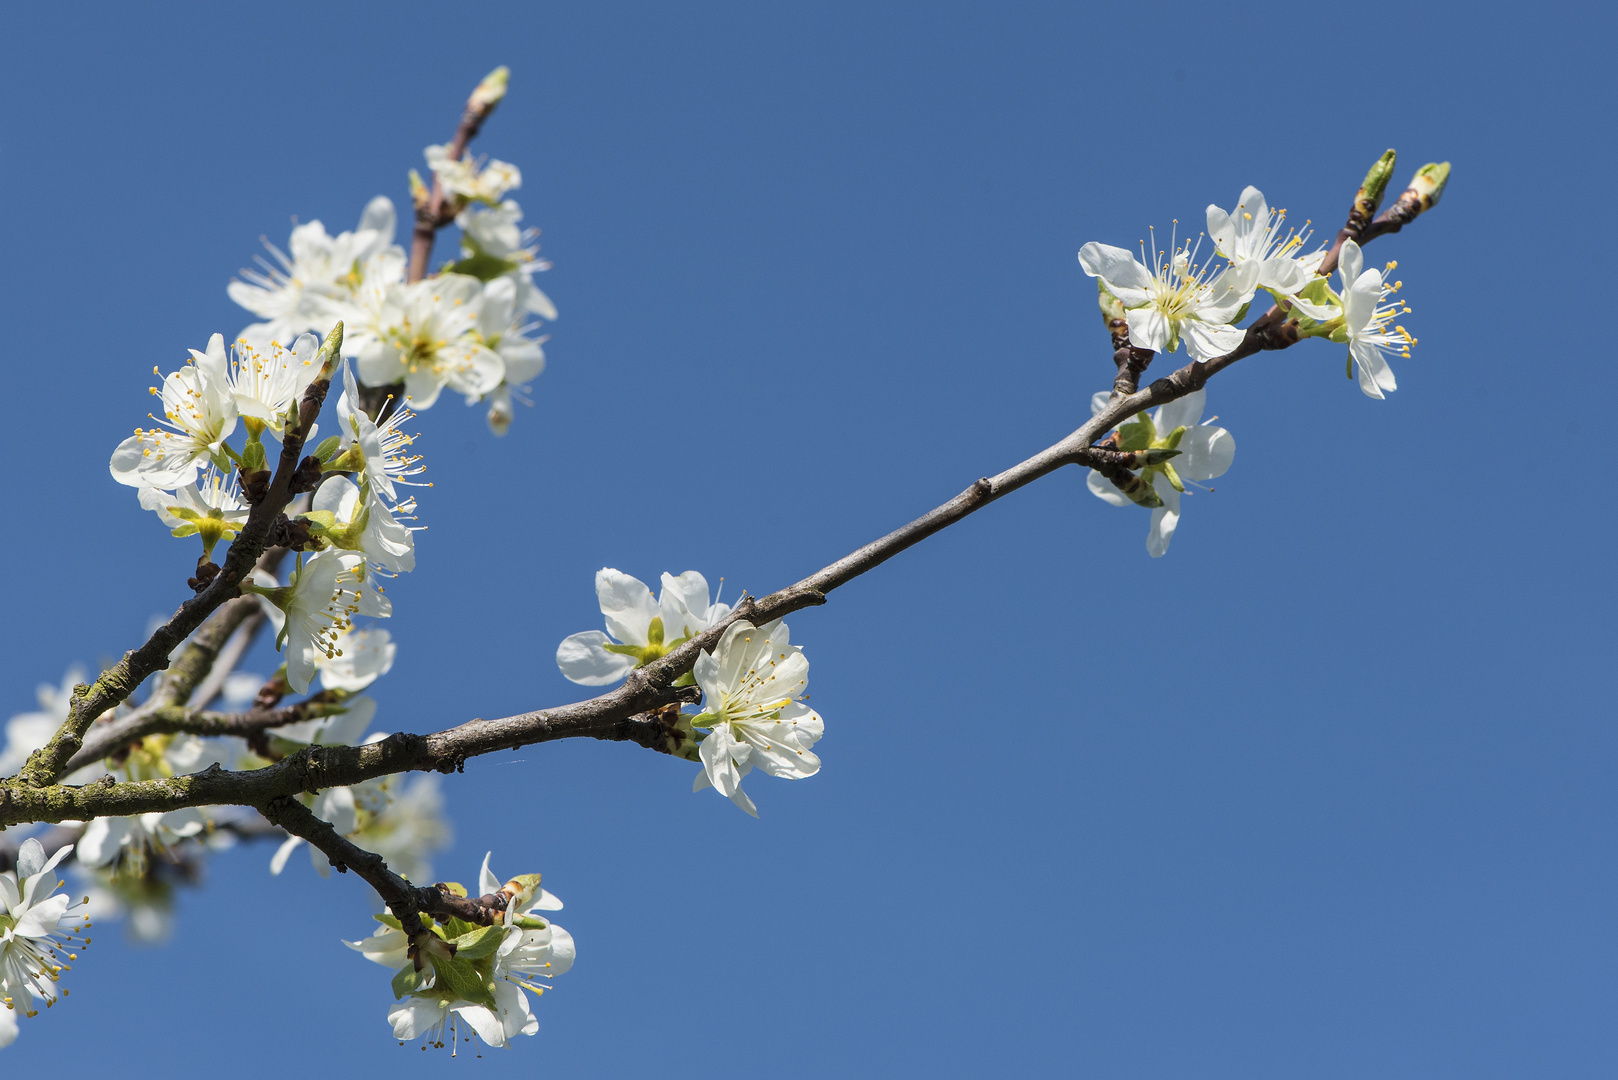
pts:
[327, 448]
[462, 979]
[688, 679]
[253, 459]
[407, 979]
[389, 920]
[479, 943]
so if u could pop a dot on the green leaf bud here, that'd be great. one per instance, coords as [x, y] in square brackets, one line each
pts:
[1369, 198]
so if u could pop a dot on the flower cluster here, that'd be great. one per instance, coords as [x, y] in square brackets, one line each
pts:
[752, 679]
[471, 329]
[458, 979]
[1170, 297]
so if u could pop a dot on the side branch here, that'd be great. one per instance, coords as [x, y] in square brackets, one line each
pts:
[407, 902]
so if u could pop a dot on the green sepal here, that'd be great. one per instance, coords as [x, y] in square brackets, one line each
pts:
[1160, 455]
[1242, 314]
[406, 980]
[188, 529]
[389, 920]
[327, 448]
[530, 922]
[705, 720]
[1111, 307]
[1173, 438]
[480, 264]
[1339, 335]
[478, 943]
[654, 632]
[462, 978]
[1172, 477]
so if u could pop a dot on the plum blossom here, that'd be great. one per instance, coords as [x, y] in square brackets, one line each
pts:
[1205, 453]
[1365, 321]
[130, 841]
[462, 176]
[199, 413]
[480, 985]
[353, 518]
[268, 382]
[318, 603]
[209, 506]
[379, 451]
[751, 685]
[38, 926]
[494, 244]
[1175, 298]
[1252, 234]
[645, 628]
[309, 289]
[424, 335]
[363, 656]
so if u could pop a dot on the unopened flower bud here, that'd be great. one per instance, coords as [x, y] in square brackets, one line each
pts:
[1428, 184]
[1421, 196]
[1369, 198]
[490, 91]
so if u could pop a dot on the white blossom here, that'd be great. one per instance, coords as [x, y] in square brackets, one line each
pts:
[1252, 234]
[1175, 298]
[1366, 319]
[132, 840]
[527, 949]
[309, 289]
[209, 506]
[363, 656]
[199, 413]
[492, 235]
[645, 628]
[424, 335]
[268, 382]
[1205, 453]
[378, 450]
[464, 177]
[365, 523]
[751, 685]
[37, 927]
[318, 602]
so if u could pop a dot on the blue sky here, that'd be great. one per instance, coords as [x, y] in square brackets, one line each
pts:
[1327, 791]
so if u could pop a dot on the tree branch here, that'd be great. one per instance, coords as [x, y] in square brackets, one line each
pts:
[636, 710]
[105, 739]
[405, 900]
